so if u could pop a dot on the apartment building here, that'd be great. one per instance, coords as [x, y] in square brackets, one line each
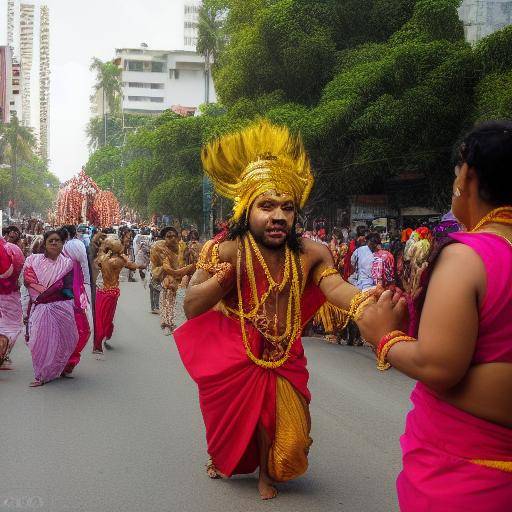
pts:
[157, 80]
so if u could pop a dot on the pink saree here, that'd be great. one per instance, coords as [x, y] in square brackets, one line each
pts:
[10, 298]
[51, 330]
[454, 461]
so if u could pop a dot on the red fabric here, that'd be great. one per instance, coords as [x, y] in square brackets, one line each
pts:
[234, 393]
[347, 268]
[106, 303]
[84, 332]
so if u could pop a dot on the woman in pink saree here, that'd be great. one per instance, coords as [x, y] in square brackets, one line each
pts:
[457, 445]
[51, 329]
[11, 264]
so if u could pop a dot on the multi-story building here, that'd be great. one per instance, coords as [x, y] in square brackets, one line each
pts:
[154, 80]
[26, 55]
[5, 83]
[44, 81]
[191, 24]
[483, 17]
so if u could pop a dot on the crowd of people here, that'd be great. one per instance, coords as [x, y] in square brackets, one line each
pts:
[65, 287]
[435, 305]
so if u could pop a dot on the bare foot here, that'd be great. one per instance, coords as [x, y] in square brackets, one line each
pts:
[211, 470]
[266, 489]
[36, 384]
[98, 355]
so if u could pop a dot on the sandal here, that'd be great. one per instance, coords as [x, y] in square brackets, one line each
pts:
[36, 383]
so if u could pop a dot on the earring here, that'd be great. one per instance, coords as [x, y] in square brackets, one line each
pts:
[458, 192]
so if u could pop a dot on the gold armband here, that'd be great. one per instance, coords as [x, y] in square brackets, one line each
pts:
[329, 271]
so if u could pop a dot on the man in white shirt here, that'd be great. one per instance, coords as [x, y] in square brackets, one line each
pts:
[362, 261]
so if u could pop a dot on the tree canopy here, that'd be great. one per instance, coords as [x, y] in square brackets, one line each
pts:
[380, 91]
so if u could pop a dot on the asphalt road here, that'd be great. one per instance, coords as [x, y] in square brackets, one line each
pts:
[126, 434]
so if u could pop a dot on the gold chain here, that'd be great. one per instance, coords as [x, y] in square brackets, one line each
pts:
[263, 263]
[293, 315]
[494, 216]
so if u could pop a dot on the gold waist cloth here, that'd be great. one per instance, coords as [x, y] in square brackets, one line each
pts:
[501, 465]
[288, 455]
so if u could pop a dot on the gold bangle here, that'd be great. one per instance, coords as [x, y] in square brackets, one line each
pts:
[361, 308]
[382, 363]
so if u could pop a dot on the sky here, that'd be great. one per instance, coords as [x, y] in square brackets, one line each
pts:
[79, 31]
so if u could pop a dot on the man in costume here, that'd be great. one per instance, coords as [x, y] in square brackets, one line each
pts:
[166, 269]
[110, 261]
[254, 290]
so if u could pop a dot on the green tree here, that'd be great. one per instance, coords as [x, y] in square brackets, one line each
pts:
[210, 40]
[17, 144]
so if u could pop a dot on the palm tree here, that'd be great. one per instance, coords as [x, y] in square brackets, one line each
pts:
[210, 41]
[17, 144]
[108, 81]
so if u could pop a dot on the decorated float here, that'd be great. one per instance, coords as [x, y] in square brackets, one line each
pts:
[81, 200]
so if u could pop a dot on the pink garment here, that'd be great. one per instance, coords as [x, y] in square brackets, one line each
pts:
[494, 342]
[10, 298]
[75, 251]
[51, 327]
[438, 445]
[440, 441]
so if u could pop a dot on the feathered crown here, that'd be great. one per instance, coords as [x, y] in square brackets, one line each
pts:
[259, 158]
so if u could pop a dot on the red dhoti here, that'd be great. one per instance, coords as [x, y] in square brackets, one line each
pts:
[237, 395]
[106, 303]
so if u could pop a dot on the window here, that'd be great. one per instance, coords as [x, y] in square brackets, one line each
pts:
[146, 98]
[157, 67]
[134, 65]
[136, 85]
[157, 86]
[174, 73]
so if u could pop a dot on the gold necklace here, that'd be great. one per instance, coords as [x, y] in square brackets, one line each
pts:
[295, 290]
[496, 216]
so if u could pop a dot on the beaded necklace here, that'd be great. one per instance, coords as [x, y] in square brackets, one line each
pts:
[502, 215]
[293, 313]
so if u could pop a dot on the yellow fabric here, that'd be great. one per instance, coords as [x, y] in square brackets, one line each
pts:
[260, 158]
[331, 317]
[501, 465]
[288, 455]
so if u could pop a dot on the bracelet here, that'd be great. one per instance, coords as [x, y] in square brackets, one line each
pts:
[357, 305]
[385, 346]
[360, 309]
[388, 337]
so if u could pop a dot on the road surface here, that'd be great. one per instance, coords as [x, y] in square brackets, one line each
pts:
[126, 434]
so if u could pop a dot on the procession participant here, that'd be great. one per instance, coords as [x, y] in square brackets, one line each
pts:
[457, 445]
[11, 264]
[165, 268]
[126, 236]
[184, 239]
[110, 260]
[12, 234]
[141, 247]
[362, 261]
[75, 250]
[253, 292]
[51, 330]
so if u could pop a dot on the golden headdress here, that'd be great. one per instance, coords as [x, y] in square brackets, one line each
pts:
[259, 158]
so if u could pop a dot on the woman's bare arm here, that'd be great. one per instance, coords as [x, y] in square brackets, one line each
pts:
[448, 326]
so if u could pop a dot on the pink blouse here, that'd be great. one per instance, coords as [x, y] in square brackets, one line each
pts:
[494, 343]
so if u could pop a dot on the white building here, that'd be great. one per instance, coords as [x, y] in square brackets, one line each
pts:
[26, 56]
[191, 24]
[155, 80]
[483, 17]
[44, 82]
